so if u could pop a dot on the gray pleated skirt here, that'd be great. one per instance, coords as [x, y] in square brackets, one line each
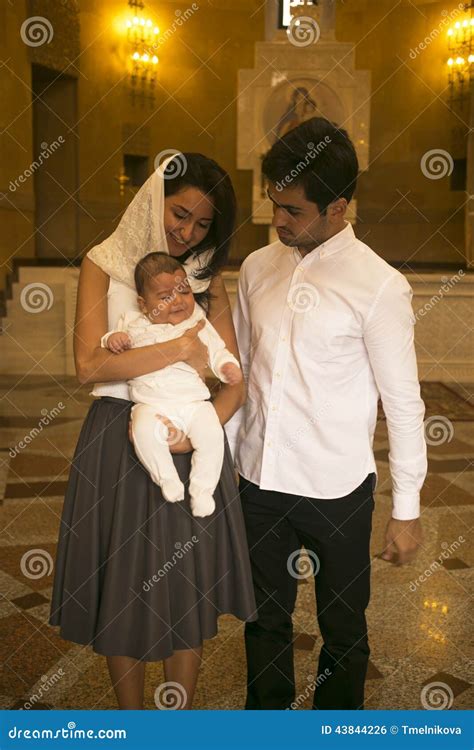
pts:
[136, 575]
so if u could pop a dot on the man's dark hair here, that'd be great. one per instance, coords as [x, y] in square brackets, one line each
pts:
[317, 155]
[152, 264]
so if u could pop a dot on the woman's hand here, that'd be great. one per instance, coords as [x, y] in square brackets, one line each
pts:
[194, 352]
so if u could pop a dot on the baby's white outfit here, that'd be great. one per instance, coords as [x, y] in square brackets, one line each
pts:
[177, 392]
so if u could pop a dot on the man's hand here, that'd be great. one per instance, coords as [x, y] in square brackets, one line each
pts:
[402, 539]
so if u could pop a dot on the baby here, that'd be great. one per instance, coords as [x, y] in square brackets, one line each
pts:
[168, 309]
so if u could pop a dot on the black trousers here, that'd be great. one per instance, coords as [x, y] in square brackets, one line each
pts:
[336, 535]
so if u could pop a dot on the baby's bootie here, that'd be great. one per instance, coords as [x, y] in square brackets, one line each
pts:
[202, 504]
[172, 489]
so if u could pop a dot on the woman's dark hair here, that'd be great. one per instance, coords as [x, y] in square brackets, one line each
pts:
[319, 156]
[151, 265]
[195, 170]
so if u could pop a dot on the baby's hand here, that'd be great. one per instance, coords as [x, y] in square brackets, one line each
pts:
[119, 342]
[231, 373]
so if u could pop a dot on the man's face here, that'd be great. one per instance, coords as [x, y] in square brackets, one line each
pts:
[296, 219]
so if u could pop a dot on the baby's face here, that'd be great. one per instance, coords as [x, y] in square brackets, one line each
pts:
[167, 298]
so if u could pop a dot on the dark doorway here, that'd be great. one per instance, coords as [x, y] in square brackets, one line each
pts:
[55, 163]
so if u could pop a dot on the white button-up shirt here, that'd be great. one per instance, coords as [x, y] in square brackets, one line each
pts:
[320, 338]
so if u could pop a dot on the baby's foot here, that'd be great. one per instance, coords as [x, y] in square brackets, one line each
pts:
[203, 505]
[172, 489]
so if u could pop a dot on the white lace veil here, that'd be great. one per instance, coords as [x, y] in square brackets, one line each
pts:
[141, 231]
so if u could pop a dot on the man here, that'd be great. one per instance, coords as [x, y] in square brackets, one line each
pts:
[324, 327]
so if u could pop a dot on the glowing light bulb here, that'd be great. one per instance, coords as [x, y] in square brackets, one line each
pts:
[470, 59]
[457, 25]
[142, 21]
[450, 61]
[145, 58]
[135, 56]
[129, 23]
[464, 23]
[148, 23]
[156, 30]
[460, 60]
[154, 60]
[135, 20]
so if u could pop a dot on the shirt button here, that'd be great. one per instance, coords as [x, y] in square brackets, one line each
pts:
[277, 374]
[274, 408]
[283, 338]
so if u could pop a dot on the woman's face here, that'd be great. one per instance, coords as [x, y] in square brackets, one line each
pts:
[188, 216]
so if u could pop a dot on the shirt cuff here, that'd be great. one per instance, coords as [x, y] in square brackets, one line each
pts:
[406, 507]
[104, 339]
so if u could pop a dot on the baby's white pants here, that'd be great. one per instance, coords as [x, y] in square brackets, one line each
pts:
[199, 422]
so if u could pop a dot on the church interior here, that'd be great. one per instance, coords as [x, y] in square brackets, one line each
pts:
[94, 96]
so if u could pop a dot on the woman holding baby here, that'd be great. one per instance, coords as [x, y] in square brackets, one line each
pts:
[140, 576]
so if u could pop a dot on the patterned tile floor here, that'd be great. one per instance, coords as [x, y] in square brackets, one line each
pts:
[419, 631]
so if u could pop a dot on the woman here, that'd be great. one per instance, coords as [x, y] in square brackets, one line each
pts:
[138, 578]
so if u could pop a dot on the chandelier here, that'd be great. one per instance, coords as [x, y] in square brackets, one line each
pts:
[461, 57]
[142, 36]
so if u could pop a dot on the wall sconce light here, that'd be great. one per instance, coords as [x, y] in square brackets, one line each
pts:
[142, 36]
[461, 57]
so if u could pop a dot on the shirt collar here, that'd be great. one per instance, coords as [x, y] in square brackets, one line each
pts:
[337, 242]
